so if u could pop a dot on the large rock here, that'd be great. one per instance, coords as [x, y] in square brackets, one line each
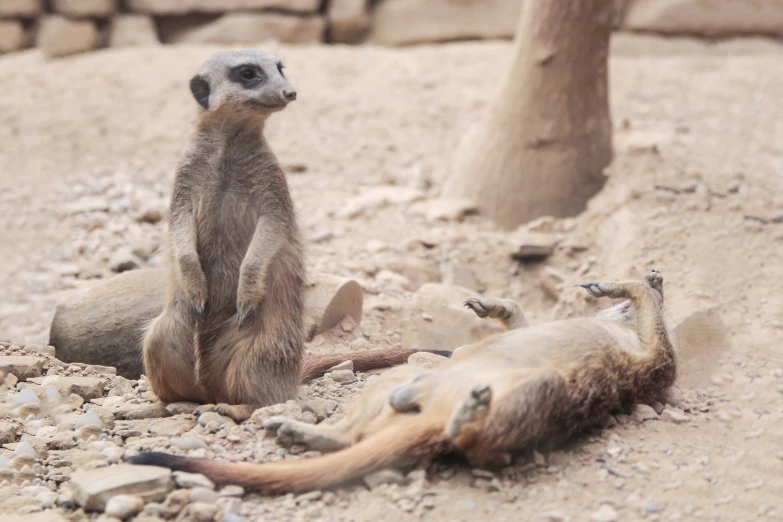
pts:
[12, 37]
[132, 29]
[252, 28]
[400, 22]
[92, 488]
[329, 300]
[21, 8]
[22, 366]
[349, 20]
[103, 324]
[60, 36]
[83, 8]
[704, 17]
[178, 7]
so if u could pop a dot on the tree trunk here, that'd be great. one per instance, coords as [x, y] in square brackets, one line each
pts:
[541, 147]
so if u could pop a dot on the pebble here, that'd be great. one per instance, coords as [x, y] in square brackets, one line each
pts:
[384, 476]
[192, 480]
[46, 499]
[188, 443]
[345, 365]
[26, 396]
[124, 506]
[212, 416]
[643, 412]
[232, 491]
[202, 512]
[88, 419]
[341, 375]
[24, 448]
[604, 514]
[203, 495]
[674, 415]
[94, 487]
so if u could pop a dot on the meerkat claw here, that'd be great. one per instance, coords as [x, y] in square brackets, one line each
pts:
[474, 303]
[200, 307]
[595, 288]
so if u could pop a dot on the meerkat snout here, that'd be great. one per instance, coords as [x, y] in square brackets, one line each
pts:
[248, 78]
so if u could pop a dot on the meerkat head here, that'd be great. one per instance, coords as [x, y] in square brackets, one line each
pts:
[242, 79]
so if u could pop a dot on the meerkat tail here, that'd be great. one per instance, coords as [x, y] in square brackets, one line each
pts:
[313, 367]
[417, 438]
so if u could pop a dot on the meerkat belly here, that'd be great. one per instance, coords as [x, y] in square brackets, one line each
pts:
[225, 228]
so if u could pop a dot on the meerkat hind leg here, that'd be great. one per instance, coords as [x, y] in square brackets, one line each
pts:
[319, 438]
[507, 311]
[472, 410]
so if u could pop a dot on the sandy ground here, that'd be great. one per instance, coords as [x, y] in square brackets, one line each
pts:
[89, 143]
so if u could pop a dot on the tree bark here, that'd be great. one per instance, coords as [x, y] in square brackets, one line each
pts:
[541, 147]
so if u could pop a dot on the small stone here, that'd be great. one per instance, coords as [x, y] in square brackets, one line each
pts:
[26, 396]
[113, 454]
[89, 418]
[384, 476]
[532, 246]
[643, 412]
[188, 443]
[604, 514]
[124, 506]
[94, 487]
[178, 408]
[46, 499]
[212, 416]
[342, 375]
[674, 415]
[123, 260]
[426, 359]
[345, 365]
[24, 448]
[232, 491]
[23, 367]
[202, 512]
[322, 408]
[203, 495]
[192, 480]
[444, 209]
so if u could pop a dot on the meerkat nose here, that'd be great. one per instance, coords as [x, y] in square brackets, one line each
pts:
[289, 94]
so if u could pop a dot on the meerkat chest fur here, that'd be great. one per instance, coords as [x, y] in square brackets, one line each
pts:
[239, 182]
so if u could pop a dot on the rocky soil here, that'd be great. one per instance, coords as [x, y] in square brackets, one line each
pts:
[87, 149]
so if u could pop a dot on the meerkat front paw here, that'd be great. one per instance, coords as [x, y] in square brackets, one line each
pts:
[248, 298]
[194, 283]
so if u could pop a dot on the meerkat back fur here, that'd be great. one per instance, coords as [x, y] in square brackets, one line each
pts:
[492, 399]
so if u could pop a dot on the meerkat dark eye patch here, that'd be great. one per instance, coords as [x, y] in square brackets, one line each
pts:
[201, 90]
[247, 75]
[280, 68]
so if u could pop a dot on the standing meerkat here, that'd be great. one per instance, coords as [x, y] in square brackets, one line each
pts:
[494, 398]
[231, 332]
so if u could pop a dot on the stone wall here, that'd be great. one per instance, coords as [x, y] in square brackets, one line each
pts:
[63, 27]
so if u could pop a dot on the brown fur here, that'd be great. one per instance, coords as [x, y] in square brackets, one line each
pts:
[492, 399]
[231, 332]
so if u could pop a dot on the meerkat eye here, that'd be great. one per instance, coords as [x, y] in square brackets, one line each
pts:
[247, 73]
[280, 68]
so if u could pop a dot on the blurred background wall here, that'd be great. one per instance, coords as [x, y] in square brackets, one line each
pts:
[63, 27]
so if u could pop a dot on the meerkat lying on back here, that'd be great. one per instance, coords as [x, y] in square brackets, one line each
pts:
[492, 399]
[231, 331]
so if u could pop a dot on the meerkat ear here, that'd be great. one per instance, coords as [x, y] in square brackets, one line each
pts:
[201, 90]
